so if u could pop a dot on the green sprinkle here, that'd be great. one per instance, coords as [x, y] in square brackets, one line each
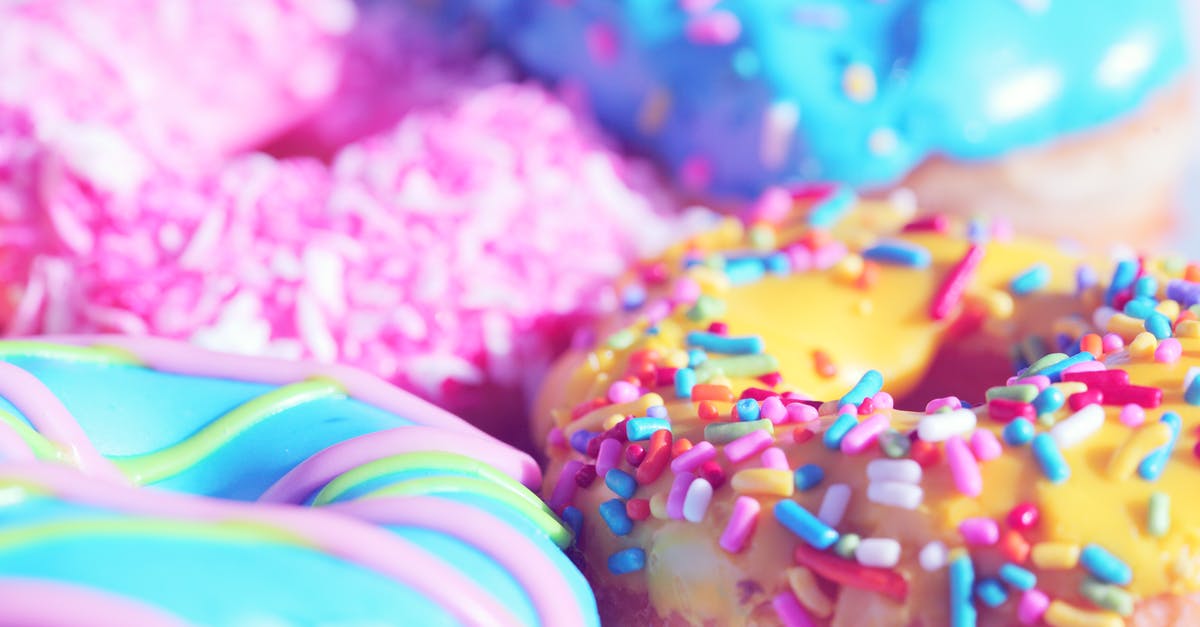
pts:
[1047, 419]
[894, 444]
[846, 545]
[1107, 596]
[762, 237]
[737, 366]
[1024, 393]
[726, 432]
[716, 261]
[706, 308]
[622, 339]
[1158, 522]
[1044, 362]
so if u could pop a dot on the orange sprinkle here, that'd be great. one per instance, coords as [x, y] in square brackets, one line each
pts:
[644, 356]
[1186, 314]
[710, 392]
[1092, 343]
[681, 446]
[824, 364]
[868, 277]
[708, 412]
[1192, 273]
[1014, 546]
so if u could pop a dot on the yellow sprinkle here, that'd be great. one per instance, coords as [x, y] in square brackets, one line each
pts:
[955, 553]
[613, 421]
[712, 282]
[1055, 555]
[731, 230]
[762, 237]
[1146, 438]
[849, 268]
[1069, 387]
[649, 400]
[1143, 345]
[999, 304]
[864, 307]
[764, 481]
[677, 359]
[654, 110]
[858, 81]
[1060, 614]
[658, 506]
[720, 379]
[1188, 328]
[805, 587]
[656, 344]
[1125, 326]
[1168, 308]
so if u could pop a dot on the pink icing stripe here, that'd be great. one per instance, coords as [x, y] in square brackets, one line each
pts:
[552, 597]
[318, 470]
[344, 537]
[50, 417]
[12, 447]
[56, 604]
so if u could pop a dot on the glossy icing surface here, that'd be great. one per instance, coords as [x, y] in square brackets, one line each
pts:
[416, 516]
[735, 94]
[694, 571]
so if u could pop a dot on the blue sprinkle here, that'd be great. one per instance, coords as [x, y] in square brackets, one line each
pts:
[1159, 325]
[977, 231]
[1140, 307]
[1045, 450]
[696, 357]
[1153, 465]
[573, 516]
[638, 429]
[1048, 401]
[1191, 396]
[778, 263]
[1146, 286]
[1018, 577]
[1104, 565]
[1018, 432]
[802, 523]
[839, 429]
[1054, 371]
[827, 212]
[808, 476]
[744, 270]
[713, 343]
[620, 482]
[899, 253]
[633, 296]
[1123, 276]
[868, 385]
[627, 561]
[747, 409]
[962, 580]
[1085, 277]
[685, 380]
[614, 515]
[991, 592]
[656, 411]
[580, 439]
[1031, 280]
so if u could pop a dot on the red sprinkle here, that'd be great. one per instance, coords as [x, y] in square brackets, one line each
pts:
[1079, 400]
[708, 412]
[1098, 378]
[657, 457]
[593, 447]
[771, 379]
[635, 454]
[1023, 517]
[587, 407]
[655, 273]
[1196, 450]
[713, 473]
[800, 436]
[811, 192]
[637, 509]
[619, 431]
[823, 364]
[664, 376]
[586, 475]
[868, 277]
[937, 223]
[848, 573]
[719, 328]
[1007, 410]
[866, 407]
[926, 454]
[950, 293]
[757, 394]
[1145, 396]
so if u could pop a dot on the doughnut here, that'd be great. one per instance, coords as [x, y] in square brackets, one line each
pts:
[753, 439]
[980, 107]
[152, 482]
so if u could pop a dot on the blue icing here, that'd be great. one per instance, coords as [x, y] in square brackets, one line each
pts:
[971, 80]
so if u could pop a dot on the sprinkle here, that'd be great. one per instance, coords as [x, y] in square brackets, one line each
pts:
[1018, 432]
[991, 592]
[750, 444]
[685, 380]
[945, 403]
[1055, 369]
[1018, 577]
[864, 434]
[898, 252]
[1055, 555]
[979, 531]
[713, 473]
[808, 476]
[800, 412]
[1123, 276]
[712, 392]
[1078, 427]
[1132, 415]
[640, 429]
[943, 426]
[637, 509]
[962, 583]
[790, 612]
[564, 489]
[714, 343]
[1191, 394]
[1079, 400]
[1032, 606]
[878, 552]
[894, 444]
[823, 364]
[895, 494]
[1060, 614]
[1049, 400]
[808, 527]
[1023, 516]
[657, 457]
[933, 556]
[740, 366]
[609, 456]
[1159, 325]
[902, 470]
[741, 524]
[716, 28]
[830, 210]
[773, 409]
[614, 515]
[745, 270]
[1158, 518]
[985, 446]
[620, 482]
[695, 502]
[1024, 393]
[925, 453]
[1031, 280]
[691, 459]
[834, 504]
[627, 561]
[1006, 410]
[1137, 447]
[775, 459]
[677, 493]
[1014, 546]
[804, 585]
[846, 545]
[963, 467]
[1050, 459]
[635, 454]
[838, 430]
[847, 573]
[1107, 596]
[949, 293]
[622, 392]
[1153, 465]
[726, 432]
[764, 482]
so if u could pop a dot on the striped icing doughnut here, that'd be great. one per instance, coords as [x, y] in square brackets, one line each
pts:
[155, 483]
[731, 451]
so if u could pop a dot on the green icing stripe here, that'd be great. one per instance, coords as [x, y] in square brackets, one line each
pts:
[170, 461]
[110, 355]
[539, 514]
[223, 531]
[43, 448]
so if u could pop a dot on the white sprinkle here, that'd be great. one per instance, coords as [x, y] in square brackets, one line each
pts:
[695, 503]
[1191, 374]
[324, 271]
[878, 552]
[903, 470]
[314, 329]
[933, 556]
[779, 128]
[833, 506]
[1102, 315]
[943, 426]
[1078, 427]
[883, 141]
[895, 494]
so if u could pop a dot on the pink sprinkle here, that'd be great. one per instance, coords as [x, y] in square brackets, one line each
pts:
[1168, 351]
[772, 206]
[716, 28]
[775, 459]
[685, 290]
[980, 531]
[564, 490]
[864, 434]
[800, 257]
[1111, 343]
[741, 524]
[556, 438]
[1085, 366]
[602, 43]
[752, 443]
[1040, 381]
[657, 311]
[609, 456]
[1132, 415]
[773, 410]
[692, 458]
[985, 446]
[696, 6]
[963, 467]
[1033, 605]
[696, 172]
[946, 401]
[678, 493]
[802, 412]
[790, 612]
[883, 400]
[828, 255]
[622, 392]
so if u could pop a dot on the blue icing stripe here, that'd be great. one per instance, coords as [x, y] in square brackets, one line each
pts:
[971, 80]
